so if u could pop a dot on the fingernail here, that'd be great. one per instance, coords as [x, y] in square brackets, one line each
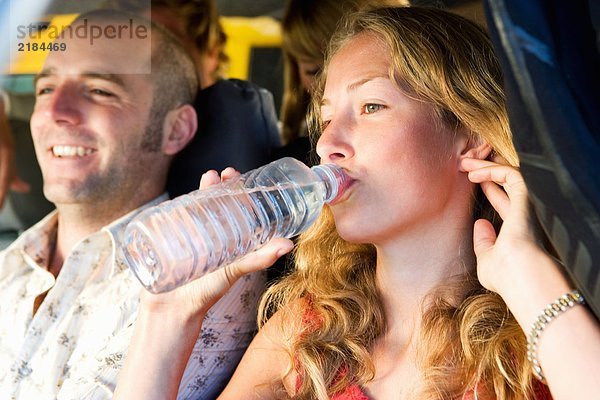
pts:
[284, 250]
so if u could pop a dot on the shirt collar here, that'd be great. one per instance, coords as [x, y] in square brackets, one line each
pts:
[37, 240]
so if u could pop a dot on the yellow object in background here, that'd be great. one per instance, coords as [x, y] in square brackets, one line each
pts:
[29, 61]
[243, 34]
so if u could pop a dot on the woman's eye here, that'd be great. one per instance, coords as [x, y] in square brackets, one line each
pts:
[371, 108]
[324, 125]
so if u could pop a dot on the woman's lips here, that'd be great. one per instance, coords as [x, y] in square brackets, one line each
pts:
[344, 190]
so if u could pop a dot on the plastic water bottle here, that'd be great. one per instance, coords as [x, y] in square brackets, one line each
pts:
[184, 238]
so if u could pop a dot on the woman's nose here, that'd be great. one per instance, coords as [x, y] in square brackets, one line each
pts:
[334, 144]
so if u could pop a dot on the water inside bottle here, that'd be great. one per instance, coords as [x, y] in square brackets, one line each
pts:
[213, 230]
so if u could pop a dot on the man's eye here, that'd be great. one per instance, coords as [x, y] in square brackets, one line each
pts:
[43, 91]
[371, 108]
[101, 92]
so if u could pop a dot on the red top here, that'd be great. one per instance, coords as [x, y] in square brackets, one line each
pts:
[354, 392]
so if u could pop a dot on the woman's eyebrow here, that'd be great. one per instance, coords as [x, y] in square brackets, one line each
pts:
[361, 82]
[355, 85]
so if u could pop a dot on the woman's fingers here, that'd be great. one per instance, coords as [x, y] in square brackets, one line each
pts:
[199, 295]
[497, 158]
[484, 237]
[259, 259]
[509, 178]
[497, 198]
[212, 177]
[209, 178]
[506, 176]
[207, 290]
[229, 173]
[470, 164]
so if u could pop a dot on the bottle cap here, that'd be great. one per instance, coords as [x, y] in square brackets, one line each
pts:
[335, 180]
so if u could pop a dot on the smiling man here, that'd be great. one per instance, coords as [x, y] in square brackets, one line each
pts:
[109, 117]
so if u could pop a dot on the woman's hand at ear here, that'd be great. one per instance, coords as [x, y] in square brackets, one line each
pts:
[515, 265]
[513, 262]
[518, 240]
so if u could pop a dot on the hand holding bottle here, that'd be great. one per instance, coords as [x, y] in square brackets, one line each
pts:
[185, 238]
[196, 297]
[169, 323]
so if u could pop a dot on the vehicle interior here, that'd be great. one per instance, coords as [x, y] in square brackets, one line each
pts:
[550, 54]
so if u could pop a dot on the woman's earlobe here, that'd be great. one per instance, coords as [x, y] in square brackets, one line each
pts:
[476, 148]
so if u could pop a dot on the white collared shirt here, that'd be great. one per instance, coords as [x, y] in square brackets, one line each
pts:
[75, 344]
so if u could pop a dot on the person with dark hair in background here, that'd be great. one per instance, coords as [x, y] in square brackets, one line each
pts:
[108, 120]
[307, 27]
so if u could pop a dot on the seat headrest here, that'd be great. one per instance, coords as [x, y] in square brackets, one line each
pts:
[237, 127]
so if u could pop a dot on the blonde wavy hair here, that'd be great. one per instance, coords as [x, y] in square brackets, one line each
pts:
[468, 340]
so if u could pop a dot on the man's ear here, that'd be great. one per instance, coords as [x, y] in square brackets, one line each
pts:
[180, 127]
[474, 147]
